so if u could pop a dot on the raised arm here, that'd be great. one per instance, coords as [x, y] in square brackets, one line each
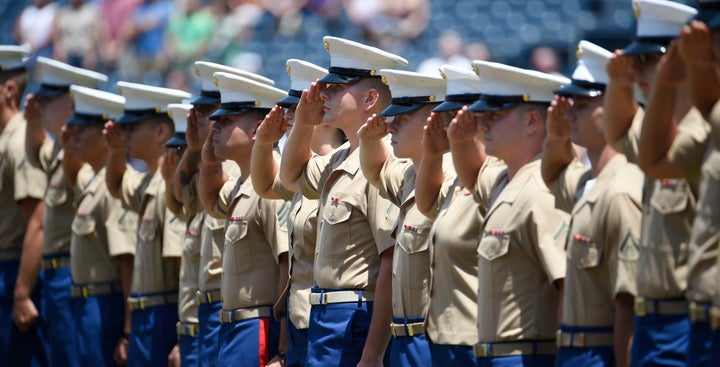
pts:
[662, 113]
[557, 148]
[297, 152]
[34, 133]
[467, 158]
[429, 173]
[373, 152]
[620, 104]
[117, 151]
[167, 168]
[211, 178]
[190, 161]
[701, 64]
[71, 165]
[263, 167]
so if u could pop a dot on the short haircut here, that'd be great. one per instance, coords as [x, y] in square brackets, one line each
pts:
[20, 77]
[160, 119]
[382, 88]
[536, 106]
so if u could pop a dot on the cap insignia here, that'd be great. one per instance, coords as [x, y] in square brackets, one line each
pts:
[636, 7]
[579, 52]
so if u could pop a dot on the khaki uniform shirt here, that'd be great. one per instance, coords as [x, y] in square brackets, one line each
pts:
[411, 258]
[19, 180]
[254, 239]
[353, 219]
[454, 236]
[703, 274]
[520, 256]
[669, 210]
[59, 211]
[602, 244]
[101, 230]
[160, 234]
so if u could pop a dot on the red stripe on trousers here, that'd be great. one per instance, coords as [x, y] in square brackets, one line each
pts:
[263, 341]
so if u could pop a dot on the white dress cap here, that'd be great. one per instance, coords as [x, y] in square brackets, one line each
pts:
[302, 74]
[505, 86]
[94, 106]
[590, 76]
[143, 101]
[13, 57]
[240, 94]
[411, 90]
[56, 77]
[463, 88]
[658, 22]
[210, 93]
[351, 61]
[178, 113]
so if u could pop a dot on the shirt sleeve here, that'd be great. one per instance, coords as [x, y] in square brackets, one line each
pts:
[29, 181]
[621, 236]
[312, 177]
[566, 185]
[548, 229]
[173, 235]
[121, 226]
[274, 216]
[690, 144]
[630, 142]
[132, 188]
[489, 174]
[225, 198]
[715, 124]
[392, 179]
[190, 197]
[281, 190]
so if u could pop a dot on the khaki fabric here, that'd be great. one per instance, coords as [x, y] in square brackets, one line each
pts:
[160, 234]
[520, 256]
[19, 180]
[668, 215]
[353, 219]
[101, 230]
[602, 243]
[254, 239]
[190, 271]
[411, 258]
[454, 236]
[302, 230]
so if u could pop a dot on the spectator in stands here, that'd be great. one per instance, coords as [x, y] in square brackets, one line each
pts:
[75, 34]
[478, 51]
[189, 33]
[450, 50]
[390, 24]
[235, 27]
[34, 26]
[545, 59]
[114, 14]
[143, 38]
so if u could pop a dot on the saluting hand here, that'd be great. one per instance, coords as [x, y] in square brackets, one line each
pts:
[558, 121]
[65, 137]
[375, 128]
[435, 141]
[696, 46]
[169, 163]
[114, 139]
[463, 127]
[194, 143]
[310, 110]
[620, 69]
[208, 152]
[671, 68]
[272, 127]
[33, 112]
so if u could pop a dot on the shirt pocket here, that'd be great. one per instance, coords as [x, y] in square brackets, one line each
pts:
[670, 196]
[56, 195]
[337, 212]
[83, 225]
[583, 253]
[494, 245]
[413, 239]
[148, 230]
[237, 252]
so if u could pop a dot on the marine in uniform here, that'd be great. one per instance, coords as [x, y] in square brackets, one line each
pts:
[350, 302]
[48, 108]
[414, 95]
[699, 49]
[294, 305]
[142, 131]
[22, 187]
[255, 256]
[209, 231]
[605, 203]
[102, 245]
[451, 318]
[187, 325]
[662, 328]
[521, 263]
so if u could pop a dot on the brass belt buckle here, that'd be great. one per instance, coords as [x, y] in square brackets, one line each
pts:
[715, 318]
[692, 307]
[640, 307]
[558, 338]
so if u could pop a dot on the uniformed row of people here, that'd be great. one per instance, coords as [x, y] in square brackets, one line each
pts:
[473, 235]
